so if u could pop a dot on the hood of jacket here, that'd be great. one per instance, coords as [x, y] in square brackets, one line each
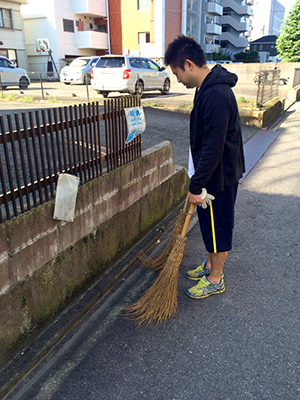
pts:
[218, 75]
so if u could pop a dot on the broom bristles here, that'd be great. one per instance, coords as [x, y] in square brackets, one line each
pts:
[160, 302]
[157, 263]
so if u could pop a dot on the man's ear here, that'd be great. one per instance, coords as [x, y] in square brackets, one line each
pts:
[189, 64]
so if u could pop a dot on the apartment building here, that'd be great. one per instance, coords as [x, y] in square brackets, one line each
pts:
[12, 39]
[202, 19]
[72, 29]
[267, 18]
[218, 24]
[236, 25]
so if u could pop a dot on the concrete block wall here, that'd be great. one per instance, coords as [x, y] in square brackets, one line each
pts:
[44, 263]
[246, 72]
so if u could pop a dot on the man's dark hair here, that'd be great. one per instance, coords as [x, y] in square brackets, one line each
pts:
[180, 49]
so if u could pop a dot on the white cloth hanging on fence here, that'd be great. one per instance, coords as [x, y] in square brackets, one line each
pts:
[65, 198]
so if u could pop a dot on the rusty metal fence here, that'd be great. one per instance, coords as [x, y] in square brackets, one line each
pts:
[84, 140]
[296, 79]
[267, 85]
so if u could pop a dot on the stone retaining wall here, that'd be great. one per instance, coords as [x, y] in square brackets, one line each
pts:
[45, 263]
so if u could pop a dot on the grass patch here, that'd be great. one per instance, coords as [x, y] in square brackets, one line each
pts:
[14, 97]
[151, 104]
[10, 97]
[243, 99]
[246, 103]
[52, 100]
[28, 99]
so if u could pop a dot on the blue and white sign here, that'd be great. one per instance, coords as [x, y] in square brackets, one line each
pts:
[136, 123]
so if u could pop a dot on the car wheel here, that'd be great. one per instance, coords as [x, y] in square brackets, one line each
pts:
[23, 83]
[67, 83]
[139, 88]
[87, 79]
[166, 87]
[104, 94]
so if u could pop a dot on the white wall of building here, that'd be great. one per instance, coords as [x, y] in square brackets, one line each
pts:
[267, 18]
[13, 40]
[44, 19]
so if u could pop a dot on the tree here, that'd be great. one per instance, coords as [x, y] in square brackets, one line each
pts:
[222, 54]
[288, 42]
[248, 56]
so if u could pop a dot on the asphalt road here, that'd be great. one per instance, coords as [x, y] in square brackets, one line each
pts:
[241, 345]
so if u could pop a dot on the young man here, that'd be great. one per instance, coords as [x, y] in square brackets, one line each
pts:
[217, 153]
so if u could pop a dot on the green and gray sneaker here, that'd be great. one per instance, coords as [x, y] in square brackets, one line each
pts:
[199, 272]
[205, 288]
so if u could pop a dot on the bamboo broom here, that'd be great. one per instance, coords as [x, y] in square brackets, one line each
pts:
[157, 263]
[160, 302]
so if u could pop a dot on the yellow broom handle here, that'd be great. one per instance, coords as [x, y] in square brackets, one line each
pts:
[186, 204]
[187, 221]
[213, 226]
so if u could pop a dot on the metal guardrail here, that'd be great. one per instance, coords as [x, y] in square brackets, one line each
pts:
[80, 140]
[296, 79]
[267, 85]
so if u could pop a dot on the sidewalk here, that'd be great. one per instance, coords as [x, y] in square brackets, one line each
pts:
[241, 345]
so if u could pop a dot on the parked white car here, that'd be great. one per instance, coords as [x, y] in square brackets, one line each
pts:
[129, 74]
[223, 62]
[11, 75]
[78, 71]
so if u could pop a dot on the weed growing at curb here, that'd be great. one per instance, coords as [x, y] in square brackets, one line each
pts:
[13, 97]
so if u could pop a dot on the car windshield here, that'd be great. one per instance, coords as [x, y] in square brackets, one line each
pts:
[111, 62]
[79, 62]
[5, 63]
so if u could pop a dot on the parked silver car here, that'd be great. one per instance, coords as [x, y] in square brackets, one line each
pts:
[78, 71]
[129, 74]
[11, 75]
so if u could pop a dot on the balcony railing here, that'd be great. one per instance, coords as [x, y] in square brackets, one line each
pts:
[91, 8]
[237, 7]
[214, 29]
[237, 25]
[239, 42]
[214, 8]
[210, 48]
[92, 40]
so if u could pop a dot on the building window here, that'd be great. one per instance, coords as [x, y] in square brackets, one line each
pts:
[68, 25]
[143, 4]
[102, 28]
[11, 54]
[144, 37]
[5, 18]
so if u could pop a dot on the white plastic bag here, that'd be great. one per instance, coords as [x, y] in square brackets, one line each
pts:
[191, 168]
[65, 199]
[136, 123]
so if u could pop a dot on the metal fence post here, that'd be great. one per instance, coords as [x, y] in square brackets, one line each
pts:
[87, 90]
[43, 96]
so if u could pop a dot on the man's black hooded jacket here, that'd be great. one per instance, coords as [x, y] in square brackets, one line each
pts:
[215, 134]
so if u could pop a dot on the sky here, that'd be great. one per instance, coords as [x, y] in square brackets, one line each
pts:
[287, 4]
